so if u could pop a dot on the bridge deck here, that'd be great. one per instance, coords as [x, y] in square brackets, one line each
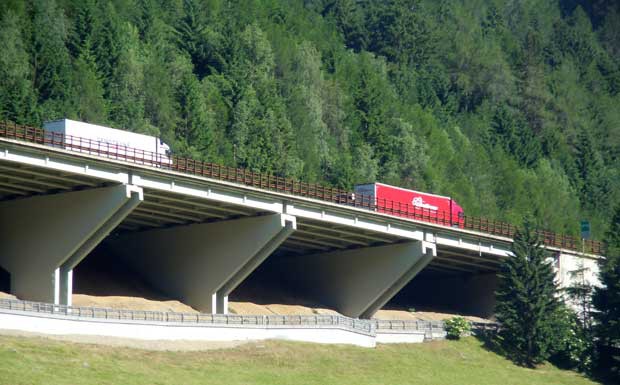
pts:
[163, 207]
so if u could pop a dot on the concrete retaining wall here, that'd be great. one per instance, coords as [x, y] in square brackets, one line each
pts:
[65, 325]
[400, 338]
[52, 319]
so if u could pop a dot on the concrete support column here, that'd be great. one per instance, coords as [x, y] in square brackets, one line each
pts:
[359, 282]
[221, 304]
[65, 276]
[201, 264]
[43, 238]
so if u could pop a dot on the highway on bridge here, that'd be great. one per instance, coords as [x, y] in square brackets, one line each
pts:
[198, 230]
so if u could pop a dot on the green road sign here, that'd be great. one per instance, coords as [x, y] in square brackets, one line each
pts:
[585, 229]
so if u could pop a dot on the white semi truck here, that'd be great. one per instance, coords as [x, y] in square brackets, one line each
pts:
[112, 142]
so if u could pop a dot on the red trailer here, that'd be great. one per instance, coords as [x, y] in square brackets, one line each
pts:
[410, 203]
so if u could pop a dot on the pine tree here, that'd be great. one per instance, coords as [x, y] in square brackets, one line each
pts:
[89, 99]
[126, 90]
[579, 335]
[51, 60]
[107, 44]
[526, 300]
[198, 34]
[606, 300]
[305, 108]
[580, 293]
[592, 184]
[192, 130]
[17, 99]
[349, 18]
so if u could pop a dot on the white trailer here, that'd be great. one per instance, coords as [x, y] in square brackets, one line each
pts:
[111, 142]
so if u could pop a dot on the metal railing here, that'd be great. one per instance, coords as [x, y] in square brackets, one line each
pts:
[199, 319]
[423, 325]
[408, 325]
[282, 185]
[368, 327]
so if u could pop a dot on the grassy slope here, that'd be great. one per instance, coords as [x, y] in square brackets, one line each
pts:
[42, 361]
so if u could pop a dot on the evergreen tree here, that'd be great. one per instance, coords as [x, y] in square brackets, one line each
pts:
[17, 102]
[88, 99]
[590, 178]
[526, 300]
[200, 37]
[126, 87]
[606, 300]
[107, 48]
[89, 102]
[349, 19]
[579, 335]
[580, 293]
[192, 130]
[399, 31]
[261, 129]
[305, 109]
[51, 60]
[373, 99]
[491, 102]
[81, 32]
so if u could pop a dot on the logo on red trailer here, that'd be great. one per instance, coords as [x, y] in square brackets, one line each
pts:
[419, 202]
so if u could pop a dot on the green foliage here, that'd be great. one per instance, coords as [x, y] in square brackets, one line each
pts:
[573, 344]
[500, 104]
[457, 327]
[580, 294]
[51, 61]
[89, 100]
[526, 301]
[575, 332]
[606, 301]
[17, 98]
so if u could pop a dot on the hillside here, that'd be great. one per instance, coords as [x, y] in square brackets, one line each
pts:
[37, 360]
[509, 107]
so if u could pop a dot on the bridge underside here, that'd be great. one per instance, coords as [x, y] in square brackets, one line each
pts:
[199, 248]
[199, 252]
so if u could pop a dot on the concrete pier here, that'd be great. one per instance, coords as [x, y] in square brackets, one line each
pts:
[359, 282]
[43, 238]
[200, 264]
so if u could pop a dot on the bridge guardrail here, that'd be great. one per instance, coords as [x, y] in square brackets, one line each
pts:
[306, 321]
[421, 325]
[368, 327]
[284, 185]
[407, 325]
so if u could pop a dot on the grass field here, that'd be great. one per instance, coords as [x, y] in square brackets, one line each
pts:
[42, 361]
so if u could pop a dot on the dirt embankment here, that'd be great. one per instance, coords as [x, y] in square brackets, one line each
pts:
[243, 308]
[135, 303]
[398, 315]
[249, 308]
[6, 295]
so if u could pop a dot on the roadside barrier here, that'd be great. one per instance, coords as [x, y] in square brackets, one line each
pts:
[317, 321]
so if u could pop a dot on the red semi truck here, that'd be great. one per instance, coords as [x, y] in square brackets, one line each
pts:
[410, 203]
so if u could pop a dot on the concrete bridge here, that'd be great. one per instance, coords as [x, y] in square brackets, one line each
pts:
[196, 231]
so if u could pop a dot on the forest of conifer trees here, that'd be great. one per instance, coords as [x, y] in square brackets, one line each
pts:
[511, 107]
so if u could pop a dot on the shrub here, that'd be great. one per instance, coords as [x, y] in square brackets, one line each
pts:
[573, 346]
[456, 327]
